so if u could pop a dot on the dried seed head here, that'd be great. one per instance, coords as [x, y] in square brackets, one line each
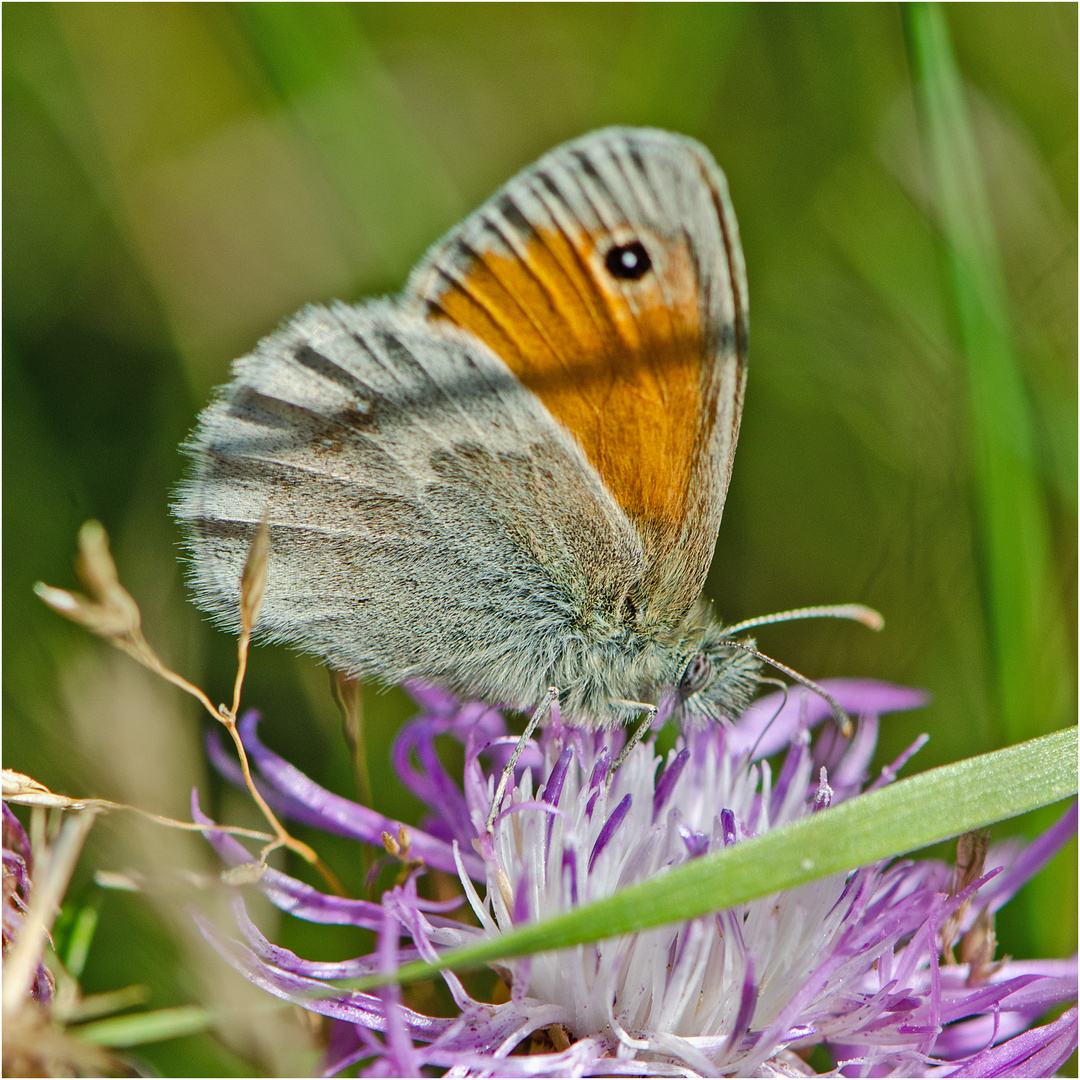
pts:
[104, 620]
[97, 572]
[109, 611]
[971, 850]
[26, 791]
[977, 949]
[253, 579]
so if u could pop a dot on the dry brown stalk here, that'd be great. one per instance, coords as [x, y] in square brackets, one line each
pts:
[110, 611]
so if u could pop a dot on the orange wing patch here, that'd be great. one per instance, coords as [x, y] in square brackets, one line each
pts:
[618, 363]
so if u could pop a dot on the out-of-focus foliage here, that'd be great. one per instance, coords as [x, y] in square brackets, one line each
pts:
[178, 178]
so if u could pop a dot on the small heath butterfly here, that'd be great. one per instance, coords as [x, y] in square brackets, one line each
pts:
[508, 480]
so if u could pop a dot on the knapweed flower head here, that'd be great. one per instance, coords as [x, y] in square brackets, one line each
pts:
[40, 1005]
[18, 889]
[889, 968]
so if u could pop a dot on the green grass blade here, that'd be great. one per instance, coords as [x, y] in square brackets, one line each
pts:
[80, 940]
[1026, 620]
[106, 1004]
[146, 1027]
[895, 819]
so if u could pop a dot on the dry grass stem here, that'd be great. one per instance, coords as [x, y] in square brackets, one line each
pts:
[349, 697]
[35, 1046]
[252, 588]
[111, 612]
[26, 791]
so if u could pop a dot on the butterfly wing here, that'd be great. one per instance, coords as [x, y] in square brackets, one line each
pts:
[428, 517]
[646, 368]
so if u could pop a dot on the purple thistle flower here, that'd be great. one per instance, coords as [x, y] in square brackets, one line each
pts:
[18, 888]
[852, 962]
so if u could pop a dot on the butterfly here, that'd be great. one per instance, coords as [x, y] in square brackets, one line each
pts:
[508, 480]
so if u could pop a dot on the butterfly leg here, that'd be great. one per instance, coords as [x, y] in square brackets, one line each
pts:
[639, 733]
[508, 771]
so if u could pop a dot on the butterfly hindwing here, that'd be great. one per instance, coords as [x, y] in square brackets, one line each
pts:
[427, 516]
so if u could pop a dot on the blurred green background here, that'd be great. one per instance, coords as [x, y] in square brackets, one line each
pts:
[178, 178]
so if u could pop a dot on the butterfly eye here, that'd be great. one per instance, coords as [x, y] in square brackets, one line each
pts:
[630, 262]
[696, 676]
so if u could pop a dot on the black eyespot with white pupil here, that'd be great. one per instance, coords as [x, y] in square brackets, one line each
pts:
[696, 676]
[628, 262]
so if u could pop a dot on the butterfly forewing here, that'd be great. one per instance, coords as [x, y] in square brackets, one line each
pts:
[645, 367]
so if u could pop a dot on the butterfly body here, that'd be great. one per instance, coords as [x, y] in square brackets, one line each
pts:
[511, 477]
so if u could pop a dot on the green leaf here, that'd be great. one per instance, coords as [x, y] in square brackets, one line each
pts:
[146, 1027]
[895, 819]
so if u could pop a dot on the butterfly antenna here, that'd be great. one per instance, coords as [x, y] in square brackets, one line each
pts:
[839, 714]
[772, 719]
[856, 612]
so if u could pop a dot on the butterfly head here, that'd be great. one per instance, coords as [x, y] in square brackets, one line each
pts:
[720, 678]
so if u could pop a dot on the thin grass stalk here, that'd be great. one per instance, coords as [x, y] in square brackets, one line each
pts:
[1027, 630]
